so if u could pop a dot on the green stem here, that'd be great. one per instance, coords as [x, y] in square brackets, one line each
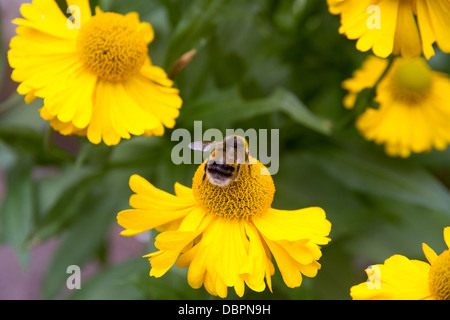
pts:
[366, 96]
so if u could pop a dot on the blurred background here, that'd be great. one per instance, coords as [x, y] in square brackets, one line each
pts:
[262, 64]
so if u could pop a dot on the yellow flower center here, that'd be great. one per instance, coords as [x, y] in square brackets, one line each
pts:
[412, 79]
[250, 195]
[111, 47]
[439, 276]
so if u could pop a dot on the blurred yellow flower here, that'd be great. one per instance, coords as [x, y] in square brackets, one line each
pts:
[414, 105]
[405, 27]
[226, 235]
[93, 72]
[403, 279]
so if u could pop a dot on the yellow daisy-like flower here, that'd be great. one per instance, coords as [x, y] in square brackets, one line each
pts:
[403, 279]
[405, 27]
[93, 72]
[227, 235]
[414, 105]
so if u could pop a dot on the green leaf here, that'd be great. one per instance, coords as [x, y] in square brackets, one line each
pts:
[88, 233]
[172, 286]
[112, 283]
[391, 179]
[291, 105]
[302, 182]
[16, 113]
[18, 208]
[61, 201]
[223, 108]
[337, 274]
[194, 28]
[381, 239]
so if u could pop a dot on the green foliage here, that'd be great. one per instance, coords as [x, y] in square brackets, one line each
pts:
[273, 64]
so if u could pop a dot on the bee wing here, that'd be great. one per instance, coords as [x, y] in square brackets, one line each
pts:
[202, 145]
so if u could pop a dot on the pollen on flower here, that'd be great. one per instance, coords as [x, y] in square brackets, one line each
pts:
[439, 276]
[413, 79]
[250, 195]
[110, 46]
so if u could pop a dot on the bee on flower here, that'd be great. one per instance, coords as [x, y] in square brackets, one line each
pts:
[224, 229]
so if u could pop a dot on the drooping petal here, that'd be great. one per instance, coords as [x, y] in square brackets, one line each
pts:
[381, 40]
[288, 267]
[426, 29]
[440, 12]
[425, 20]
[258, 265]
[219, 257]
[75, 104]
[162, 102]
[408, 44]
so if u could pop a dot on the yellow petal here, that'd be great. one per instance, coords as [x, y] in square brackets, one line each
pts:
[381, 40]
[183, 191]
[288, 267]
[426, 29]
[429, 253]
[399, 279]
[162, 102]
[74, 105]
[155, 207]
[137, 219]
[40, 69]
[447, 236]
[440, 13]
[84, 7]
[45, 16]
[255, 269]
[220, 255]
[308, 223]
[302, 251]
[408, 44]
[139, 185]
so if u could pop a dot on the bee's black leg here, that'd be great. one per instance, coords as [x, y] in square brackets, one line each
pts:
[235, 149]
[238, 171]
[247, 161]
[204, 174]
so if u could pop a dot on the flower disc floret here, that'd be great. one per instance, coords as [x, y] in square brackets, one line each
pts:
[250, 195]
[112, 47]
[439, 276]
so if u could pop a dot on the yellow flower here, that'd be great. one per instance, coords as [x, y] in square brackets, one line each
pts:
[93, 73]
[405, 27]
[414, 105]
[227, 235]
[403, 279]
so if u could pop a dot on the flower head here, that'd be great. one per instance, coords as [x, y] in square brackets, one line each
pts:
[96, 80]
[404, 279]
[226, 236]
[414, 107]
[405, 27]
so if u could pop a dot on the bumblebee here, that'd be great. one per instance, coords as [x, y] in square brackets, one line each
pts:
[227, 156]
